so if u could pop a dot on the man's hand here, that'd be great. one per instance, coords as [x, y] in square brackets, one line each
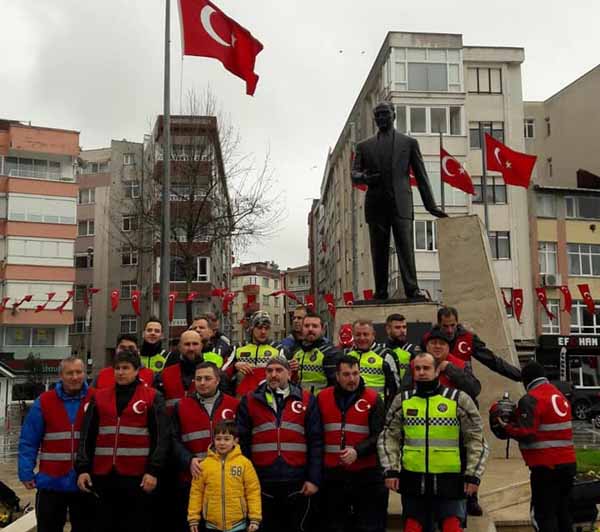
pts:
[195, 467]
[438, 213]
[193, 528]
[443, 365]
[308, 489]
[252, 527]
[244, 367]
[348, 456]
[471, 489]
[294, 364]
[392, 483]
[29, 484]
[148, 483]
[84, 482]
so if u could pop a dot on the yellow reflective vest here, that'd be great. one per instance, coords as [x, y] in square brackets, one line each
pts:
[311, 373]
[371, 370]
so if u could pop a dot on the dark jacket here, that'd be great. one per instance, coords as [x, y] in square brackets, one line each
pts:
[406, 153]
[158, 426]
[280, 471]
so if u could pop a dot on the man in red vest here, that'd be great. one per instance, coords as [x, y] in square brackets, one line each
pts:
[354, 494]
[194, 419]
[50, 432]
[125, 438]
[106, 376]
[280, 431]
[542, 426]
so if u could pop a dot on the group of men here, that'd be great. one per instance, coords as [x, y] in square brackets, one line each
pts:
[330, 430]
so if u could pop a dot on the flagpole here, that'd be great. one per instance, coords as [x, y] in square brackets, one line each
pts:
[442, 173]
[486, 215]
[165, 233]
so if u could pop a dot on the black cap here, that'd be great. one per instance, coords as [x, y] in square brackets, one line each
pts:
[531, 371]
[436, 332]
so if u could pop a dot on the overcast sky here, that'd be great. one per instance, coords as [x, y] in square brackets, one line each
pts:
[97, 67]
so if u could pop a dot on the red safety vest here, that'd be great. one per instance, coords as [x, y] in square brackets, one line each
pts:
[346, 430]
[61, 437]
[173, 386]
[463, 346]
[285, 438]
[106, 377]
[553, 441]
[123, 442]
[443, 378]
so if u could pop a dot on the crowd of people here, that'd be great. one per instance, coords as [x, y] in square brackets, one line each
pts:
[299, 435]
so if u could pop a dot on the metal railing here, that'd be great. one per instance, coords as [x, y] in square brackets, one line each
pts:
[36, 174]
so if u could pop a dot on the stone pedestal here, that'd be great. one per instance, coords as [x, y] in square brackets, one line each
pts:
[469, 284]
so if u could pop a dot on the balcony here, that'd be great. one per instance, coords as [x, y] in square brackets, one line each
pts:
[36, 174]
[251, 289]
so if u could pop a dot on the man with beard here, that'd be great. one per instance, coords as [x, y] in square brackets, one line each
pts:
[396, 330]
[152, 354]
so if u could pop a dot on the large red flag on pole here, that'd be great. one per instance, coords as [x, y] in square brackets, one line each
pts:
[208, 32]
[453, 173]
[515, 167]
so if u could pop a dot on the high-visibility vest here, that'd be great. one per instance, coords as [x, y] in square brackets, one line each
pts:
[431, 432]
[123, 441]
[346, 429]
[311, 373]
[213, 356]
[61, 437]
[273, 438]
[402, 360]
[173, 386]
[106, 377]
[156, 362]
[257, 356]
[371, 370]
[552, 444]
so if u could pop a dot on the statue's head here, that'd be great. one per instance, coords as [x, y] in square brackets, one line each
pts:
[384, 115]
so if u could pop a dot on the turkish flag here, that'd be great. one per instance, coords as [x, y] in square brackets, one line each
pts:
[515, 167]
[3, 304]
[309, 301]
[228, 297]
[27, 298]
[368, 294]
[348, 298]
[208, 32]
[543, 299]
[89, 292]
[587, 298]
[115, 297]
[191, 296]
[250, 299]
[39, 308]
[454, 174]
[517, 302]
[218, 292]
[172, 298]
[135, 301]
[62, 306]
[567, 297]
[330, 304]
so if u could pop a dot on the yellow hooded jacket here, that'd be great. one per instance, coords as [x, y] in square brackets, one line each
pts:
[227, 492]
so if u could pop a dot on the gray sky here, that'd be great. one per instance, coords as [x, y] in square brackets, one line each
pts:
[97, 67]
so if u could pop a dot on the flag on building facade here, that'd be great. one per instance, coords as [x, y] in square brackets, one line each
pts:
[515, 167]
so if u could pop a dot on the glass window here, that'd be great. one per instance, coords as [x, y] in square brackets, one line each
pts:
[508, 294]
[495, 190]
[455, 121]
[495, 81]
[128, 323]
[177, 270]
[438, 120]
[529, 128]
[546, 205]
[128, 158]
[42, 336]
[583, 207]
[418, 122]
[129, 223]
[551, 326]
[275, 284]
[425, 237]
[129, 257]
[417, 54]
[265, 282]
[80, 290]
[427, 77]
[85, 228]
[584, 259]
[500, 244]
[401, 118]
[203, 272]
[495, 129]
[87, 195]
[582, 322]
[547, 257]
[18, 336]
[126, 288]
[265, 300]
[131, 189]
[485, 80]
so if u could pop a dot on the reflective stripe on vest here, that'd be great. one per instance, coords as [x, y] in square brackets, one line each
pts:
[371, 370]
[567, 425]
[431, 433]
[549, 444]
[53, 436]
[132, 431]
[263, 447]
[311, 375]
[198, 435]
[59, 457]
[109, 451]
[402, 360]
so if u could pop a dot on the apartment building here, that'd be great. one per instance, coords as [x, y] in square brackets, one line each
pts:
[296, 281]
[38, 226]
[437, 85]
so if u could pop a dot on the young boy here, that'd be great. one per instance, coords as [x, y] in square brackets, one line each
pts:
[236, 506]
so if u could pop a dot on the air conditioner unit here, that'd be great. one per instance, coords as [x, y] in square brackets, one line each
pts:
[552, 279]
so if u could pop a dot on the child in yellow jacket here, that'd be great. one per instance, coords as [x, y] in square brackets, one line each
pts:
[226, 494]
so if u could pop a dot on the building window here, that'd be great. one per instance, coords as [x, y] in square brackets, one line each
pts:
[203, 269]
[79, 326]
[547, 257]
[529, 128]
[277, 319]
[495, 190]
[275, 284]
[126, 288]
[128, 323]
[545, 205]
[429, 120]
[36, 168]
[431, 287]
[265, 282]
[452, 196]
[131, 189]
[84, 260]
[495, 129]
[551, 326]
[548, 129]
[485, 80]
[87, 195]
[500, 244]
[582, 322]
[584, 259]
[549, 166]
[29, 336]
[425, 237]
[128, 159]
[129, 223]
[583, 207]
[265, 301]
[178, 274]
[85, 228]
[80, 292]
[129, 257]
[422, 69]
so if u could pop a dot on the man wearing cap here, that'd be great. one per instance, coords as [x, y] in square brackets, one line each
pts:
[246, 365]
[280, 431]
[396, 329]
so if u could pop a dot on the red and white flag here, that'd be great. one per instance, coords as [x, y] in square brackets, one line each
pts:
[454, 173]
[517, 302]
[208, 32]
[3, 304]
[172, 298]
[515, 167]
[543, 299]
[27, 298]
[135, 301]
[368, 294]
[191, 296]
[39, 308]
[587, 298]
[309, 301]
[330, 304]
[348, 298]
[61, 307]
[115, 297]
[568, 300]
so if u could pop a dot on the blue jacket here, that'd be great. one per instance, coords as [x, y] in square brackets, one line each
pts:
[32, 433]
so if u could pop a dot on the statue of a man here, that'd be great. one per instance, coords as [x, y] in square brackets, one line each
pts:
[382, 162]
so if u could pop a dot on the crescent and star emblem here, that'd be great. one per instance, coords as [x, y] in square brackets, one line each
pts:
[361, 405]
[587, 295]
[227, 414]
[297, 407]
[558, 411]
[205, 15]
[462, 345]
[139, 407]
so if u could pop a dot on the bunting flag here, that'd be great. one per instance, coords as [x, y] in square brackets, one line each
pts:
[115, 298]
[135, 302]
[61, 307]
[330, 304]
[287, 293]
[587, 298]
[172, 298]
[517, 302]
[309, 301]
[89, 292]
[191, 296]
[568, 300]
[368, 294]
[507, 304]
[228, 298]
[39, 308]
[348, 298]
[218, 292]
[543, 299]
[3, 304]
[250, 299]
[27, 298]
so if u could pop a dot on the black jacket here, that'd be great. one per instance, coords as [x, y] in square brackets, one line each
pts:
[280, 471]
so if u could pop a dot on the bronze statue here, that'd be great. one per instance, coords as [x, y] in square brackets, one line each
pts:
[382, 163]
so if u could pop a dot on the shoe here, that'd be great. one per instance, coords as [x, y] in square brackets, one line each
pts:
[380, 296]
[473, 507]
